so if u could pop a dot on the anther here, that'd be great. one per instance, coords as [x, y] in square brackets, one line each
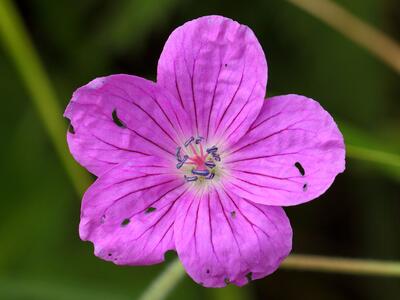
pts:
[190, 178]
[213, 149]
[189, 141]
[200, 172]
[210, 164]
[198, 139]
[216, 157]
[182, 161]
[210, 176]
[178, 154]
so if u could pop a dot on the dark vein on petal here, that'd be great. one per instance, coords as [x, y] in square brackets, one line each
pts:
[260, 157]
[264, 186]
[212, 100]
[231, 100]
[118, 147]
[240, 111]
[229, 223]
[267, 175]
[177, 86]
[138, 190]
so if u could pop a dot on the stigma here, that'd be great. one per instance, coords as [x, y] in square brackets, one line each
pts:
[197, 162]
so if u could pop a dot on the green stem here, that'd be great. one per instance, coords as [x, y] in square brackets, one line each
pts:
[375, 41]
[371, 155]
[165, 282]
[342, 265]
[21, 50]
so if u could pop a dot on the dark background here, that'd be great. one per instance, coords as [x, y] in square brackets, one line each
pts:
[41, 256]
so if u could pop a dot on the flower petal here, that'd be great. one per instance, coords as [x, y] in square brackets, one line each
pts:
[122, 117]
[291, 154]
[222, 238]
[218, 71]
[129, 212]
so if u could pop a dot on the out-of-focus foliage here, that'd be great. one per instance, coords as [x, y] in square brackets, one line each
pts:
[41, 256]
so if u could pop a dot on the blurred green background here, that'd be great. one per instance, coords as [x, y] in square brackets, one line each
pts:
[41, 256]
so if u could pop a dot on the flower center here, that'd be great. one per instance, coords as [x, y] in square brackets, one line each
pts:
[197, 162]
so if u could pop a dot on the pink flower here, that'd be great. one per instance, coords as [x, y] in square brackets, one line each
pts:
[198, 162]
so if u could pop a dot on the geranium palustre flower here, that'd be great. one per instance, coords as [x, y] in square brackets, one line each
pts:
[199, 162]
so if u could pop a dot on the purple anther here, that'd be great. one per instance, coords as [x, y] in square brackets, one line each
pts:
[185, 158]
[216, 157]
[213, 149]
[179, 164]
[210, 176]
[187, 143]
[210, 164]
[200, 172]
[190, 178]
[178, 154]
[198, 139]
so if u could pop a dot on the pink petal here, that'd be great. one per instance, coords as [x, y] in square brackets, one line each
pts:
[129, 212]
[122, 117]
[291, 154]
[222, 238]
[218, 71]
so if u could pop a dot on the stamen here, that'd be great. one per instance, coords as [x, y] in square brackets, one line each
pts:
[213, 149]
[190, 178]
[210, 176]
[182, 161]
[200, 172]
[210, 164]
[216, 157]
[189, 141]
[198, 139]
[178, 154]
[201, 162]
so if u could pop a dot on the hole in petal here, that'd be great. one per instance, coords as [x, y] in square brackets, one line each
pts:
[116, 120]
[305, 187]
[208, 271]
[71, 128]
[249, 276]
[227, 281]
[233, 214]
[300, 168]
[125, 222]
[150, 209]
[109, 254]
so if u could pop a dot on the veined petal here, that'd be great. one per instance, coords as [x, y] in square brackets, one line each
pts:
[290, 155]
[222, 238]
[122, 117]
[217, 69]
[129, 212]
